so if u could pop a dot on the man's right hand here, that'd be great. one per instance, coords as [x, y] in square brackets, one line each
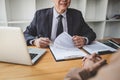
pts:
[41, 42]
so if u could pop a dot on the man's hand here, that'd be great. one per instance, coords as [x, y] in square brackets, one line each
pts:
[92, 63]
[41, 42]
[79, 41]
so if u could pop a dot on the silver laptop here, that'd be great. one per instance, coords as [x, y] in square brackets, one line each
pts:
[13, 47]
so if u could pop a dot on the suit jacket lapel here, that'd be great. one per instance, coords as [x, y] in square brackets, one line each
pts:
[50, 18]
[69, 23]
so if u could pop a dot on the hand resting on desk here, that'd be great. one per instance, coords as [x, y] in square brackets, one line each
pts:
[41, 42]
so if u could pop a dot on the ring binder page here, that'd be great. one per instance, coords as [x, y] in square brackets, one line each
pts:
[63, 48]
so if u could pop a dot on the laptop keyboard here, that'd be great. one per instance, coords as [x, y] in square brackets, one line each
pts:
[34, 52]
[33, 55]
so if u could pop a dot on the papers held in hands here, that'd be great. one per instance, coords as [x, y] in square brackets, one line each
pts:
[63, 48]
[99, 48]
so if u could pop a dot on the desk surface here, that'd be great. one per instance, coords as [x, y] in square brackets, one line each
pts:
[46, 68]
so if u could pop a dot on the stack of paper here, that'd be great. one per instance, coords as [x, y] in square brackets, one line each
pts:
[63, 48]
[97, 47]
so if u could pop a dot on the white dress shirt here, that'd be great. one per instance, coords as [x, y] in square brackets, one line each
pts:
[55, 23]
[64, 22]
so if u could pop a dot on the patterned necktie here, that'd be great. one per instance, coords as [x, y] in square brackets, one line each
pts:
[60, 25]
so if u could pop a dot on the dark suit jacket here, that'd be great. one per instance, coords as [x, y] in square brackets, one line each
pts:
[42, 25]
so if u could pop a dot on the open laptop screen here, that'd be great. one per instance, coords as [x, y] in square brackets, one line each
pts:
[13, 47]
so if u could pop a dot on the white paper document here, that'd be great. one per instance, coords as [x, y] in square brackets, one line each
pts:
[63, 48]
[96, 47]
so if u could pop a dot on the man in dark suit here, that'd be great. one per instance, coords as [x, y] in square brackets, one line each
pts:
[43, 28]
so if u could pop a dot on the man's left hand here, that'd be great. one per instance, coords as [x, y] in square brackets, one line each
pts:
[79, 41]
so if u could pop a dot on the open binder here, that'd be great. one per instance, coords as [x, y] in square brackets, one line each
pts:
[63, 48]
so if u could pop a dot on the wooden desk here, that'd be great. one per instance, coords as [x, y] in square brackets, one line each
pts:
[45, 69]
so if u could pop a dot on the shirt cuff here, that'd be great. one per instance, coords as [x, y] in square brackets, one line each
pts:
[31, 42]
[86, 40]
